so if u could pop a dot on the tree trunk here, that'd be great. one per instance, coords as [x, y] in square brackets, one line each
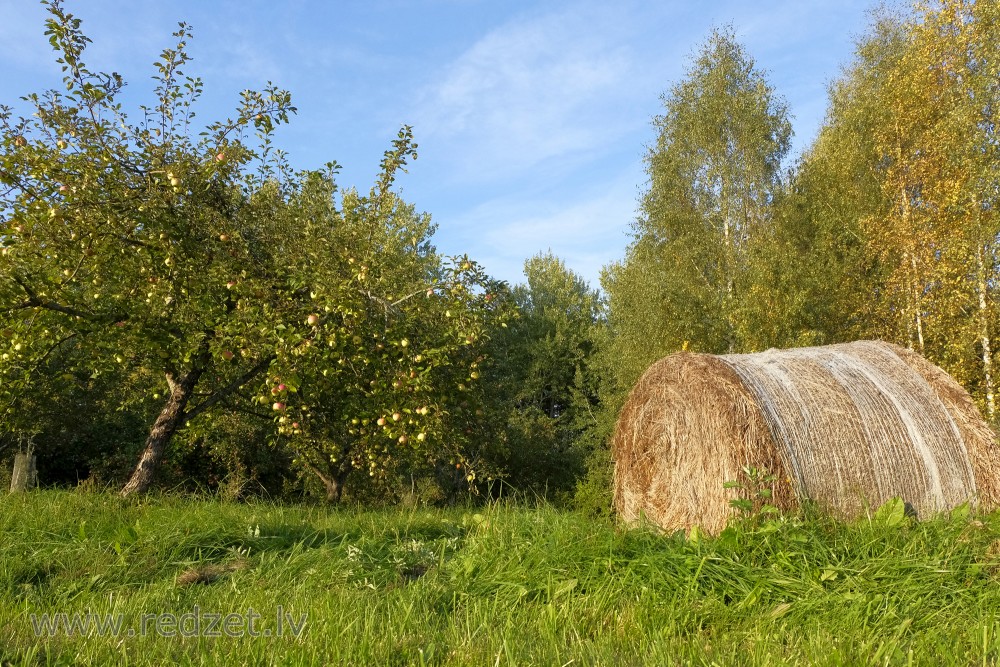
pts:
[24, 476]
[917, 305]
[333, 482]
[984, 333]
[163, 429]
[334, 489]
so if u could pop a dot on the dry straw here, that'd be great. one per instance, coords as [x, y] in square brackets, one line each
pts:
[847, 426]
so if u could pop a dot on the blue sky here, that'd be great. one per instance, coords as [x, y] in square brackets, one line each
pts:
[532, 117]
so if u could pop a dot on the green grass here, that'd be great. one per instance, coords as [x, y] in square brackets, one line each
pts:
[503, 585]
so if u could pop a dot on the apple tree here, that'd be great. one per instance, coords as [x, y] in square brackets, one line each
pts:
[378, 377]
[198, 267]
[124, 239]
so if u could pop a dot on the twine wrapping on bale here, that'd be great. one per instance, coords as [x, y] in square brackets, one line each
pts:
[848, 426]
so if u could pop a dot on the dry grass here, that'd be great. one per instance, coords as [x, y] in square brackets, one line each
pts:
[848, 426]
[207, 573]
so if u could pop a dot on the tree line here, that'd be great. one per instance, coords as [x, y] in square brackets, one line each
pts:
[185, 309]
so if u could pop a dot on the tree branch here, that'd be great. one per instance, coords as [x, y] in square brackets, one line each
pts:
[34, 301]
[229, 388]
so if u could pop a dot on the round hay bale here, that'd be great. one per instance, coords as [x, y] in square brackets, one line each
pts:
[848, 426]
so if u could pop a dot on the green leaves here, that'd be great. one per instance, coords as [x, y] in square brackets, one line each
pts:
[891, 514]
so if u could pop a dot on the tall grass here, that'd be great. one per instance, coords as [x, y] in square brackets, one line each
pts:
[502, 585]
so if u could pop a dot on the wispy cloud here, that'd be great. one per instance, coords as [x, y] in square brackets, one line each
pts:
[532, 90]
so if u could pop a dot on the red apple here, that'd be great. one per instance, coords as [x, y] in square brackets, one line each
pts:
[278, 406]
[63, 188]
[227, 355]
[282, 387]
[381, 421]
[312, 320]
[220, 157]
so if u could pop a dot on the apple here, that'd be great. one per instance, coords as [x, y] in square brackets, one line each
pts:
[175, 182]
[63, 188]
[403, 439]
[227, 355]
[220, 157]
[282, 387]
[61, 144]
[396, 416]
[223, 237]
[380, 421]
[278, 406]
[295, 424]
[404, 343]
[312, 320]
[274, 391]
[231, 284]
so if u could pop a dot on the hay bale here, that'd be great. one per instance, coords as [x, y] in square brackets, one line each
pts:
[848, 426]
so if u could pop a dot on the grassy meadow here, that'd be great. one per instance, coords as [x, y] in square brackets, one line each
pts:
[497, 585]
